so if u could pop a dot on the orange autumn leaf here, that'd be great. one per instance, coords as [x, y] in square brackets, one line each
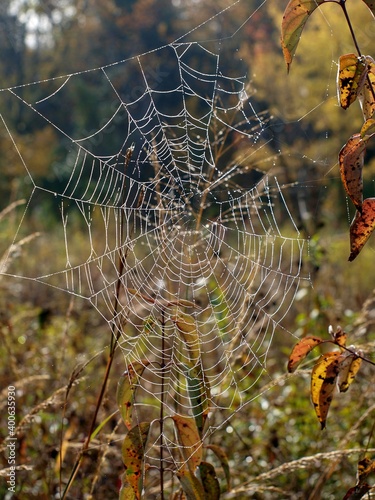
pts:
[301, 350]
[340, 337]
[351, 159]
[323, 383]
[361, 228]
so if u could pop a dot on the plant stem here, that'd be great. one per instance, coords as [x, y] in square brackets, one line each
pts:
[115, 332]
[162, 404]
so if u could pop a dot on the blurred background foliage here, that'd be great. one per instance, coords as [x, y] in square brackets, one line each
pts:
[46, 335]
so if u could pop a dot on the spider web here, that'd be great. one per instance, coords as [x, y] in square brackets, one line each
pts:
[190, 251]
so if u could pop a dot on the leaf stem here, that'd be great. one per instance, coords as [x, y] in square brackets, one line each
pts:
[343, 6]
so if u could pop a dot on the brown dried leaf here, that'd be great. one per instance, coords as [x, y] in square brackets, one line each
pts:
[350, 78]
[301, 350]
[351, 159]
[361, 228]
[323, 382]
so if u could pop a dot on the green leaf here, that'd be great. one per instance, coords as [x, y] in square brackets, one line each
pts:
[295, 16]
[221, 455]
[209, 480]
[126, 388]
[323, 383]
[191, 445]
[351, 160]
[199, 394]
[350, 78]
[132, 453]
[301, 350]
[361, 228]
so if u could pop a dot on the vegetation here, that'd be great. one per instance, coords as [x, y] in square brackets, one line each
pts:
[82, 421]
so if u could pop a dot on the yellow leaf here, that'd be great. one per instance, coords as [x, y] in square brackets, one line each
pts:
[186, 326]
[126, 388]
[132, 453]
[366, 94]
[350, 78]
[368, 129]
[361, 228]
[351, 159]
[191, 445]
[301, 350]
[353, 366]
[323, 382]
[294, 19]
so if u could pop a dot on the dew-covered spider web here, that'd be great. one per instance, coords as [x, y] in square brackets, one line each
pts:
[187, 248]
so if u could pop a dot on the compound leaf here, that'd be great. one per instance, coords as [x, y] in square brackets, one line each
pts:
[351, 159]
[361, 228]
[295, 16]
[323, 382]
[133, 454]
[350, 78]
[126, 388]
[301, 350]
